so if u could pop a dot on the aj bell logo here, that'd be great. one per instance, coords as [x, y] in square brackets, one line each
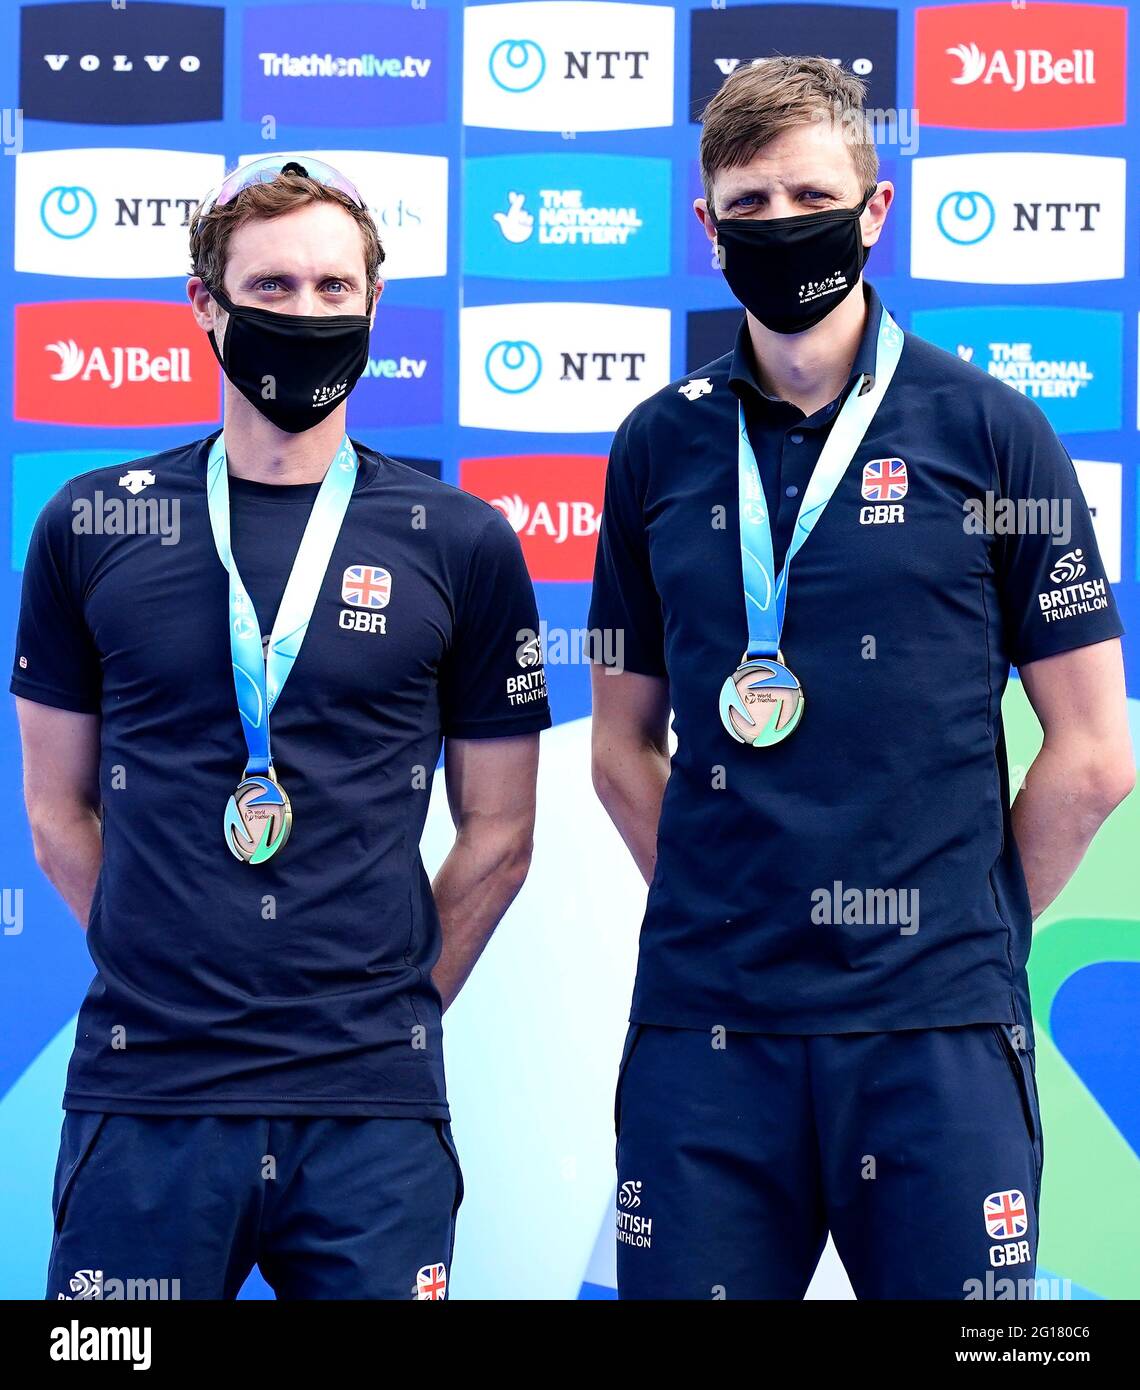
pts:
[366, 588]
[1032, 67]
[128, 364]
[558, 521]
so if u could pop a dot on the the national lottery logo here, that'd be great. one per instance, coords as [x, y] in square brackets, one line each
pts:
[431, 1283]
[567, 217]
[1066, 360]
[884, 480]
[1005, 1214]
[366, 586]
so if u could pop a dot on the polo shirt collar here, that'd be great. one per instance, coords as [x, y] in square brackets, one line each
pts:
[742, 378]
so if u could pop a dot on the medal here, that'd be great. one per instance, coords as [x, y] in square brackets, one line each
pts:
[258, 817]
[761, 703]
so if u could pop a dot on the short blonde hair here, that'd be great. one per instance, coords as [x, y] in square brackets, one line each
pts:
[210, 235]
[762, 100]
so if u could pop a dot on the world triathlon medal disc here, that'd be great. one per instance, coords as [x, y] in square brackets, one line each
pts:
[761, 703]
[258, 820]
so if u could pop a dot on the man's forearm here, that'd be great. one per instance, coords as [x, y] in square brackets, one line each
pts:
[69, 849]
[475, 885]
[1058, 811]
[631, 787]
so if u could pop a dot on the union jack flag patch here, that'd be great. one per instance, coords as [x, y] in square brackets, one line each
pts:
[884, 480]
[366, 586]
[431, 1283]
[1006, 1214]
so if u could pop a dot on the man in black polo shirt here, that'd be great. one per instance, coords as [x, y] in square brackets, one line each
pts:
[831, 1026]
[258, 1067]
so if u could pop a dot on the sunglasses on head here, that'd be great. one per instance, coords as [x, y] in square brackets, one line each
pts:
[271, 167]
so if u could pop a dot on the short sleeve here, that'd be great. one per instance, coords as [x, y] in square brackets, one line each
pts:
[1055, 593]
[56, 661]
[625, 601]
[492, 682]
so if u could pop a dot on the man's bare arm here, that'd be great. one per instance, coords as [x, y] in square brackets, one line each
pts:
[1085, 767]
[491, 792]
[61, 793]
[630, 756]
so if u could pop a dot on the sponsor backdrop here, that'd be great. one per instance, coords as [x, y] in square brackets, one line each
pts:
[531, 168]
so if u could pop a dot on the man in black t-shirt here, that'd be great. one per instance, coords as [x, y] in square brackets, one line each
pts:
[233, 806]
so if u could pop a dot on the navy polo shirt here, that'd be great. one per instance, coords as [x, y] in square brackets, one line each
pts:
[861, 875]
[301, 986]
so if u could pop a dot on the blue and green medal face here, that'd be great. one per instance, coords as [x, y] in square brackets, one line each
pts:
[258, 817]
[761, 703]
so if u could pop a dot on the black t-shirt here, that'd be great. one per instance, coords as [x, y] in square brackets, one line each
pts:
[777, 904]
[302, 985]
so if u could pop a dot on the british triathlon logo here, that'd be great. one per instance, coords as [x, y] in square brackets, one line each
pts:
[1069, 567]
[632, 1227]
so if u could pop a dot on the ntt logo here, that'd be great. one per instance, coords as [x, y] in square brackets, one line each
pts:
[517, 65]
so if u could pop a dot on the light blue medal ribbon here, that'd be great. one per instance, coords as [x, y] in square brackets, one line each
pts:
[258, 816]
[762, 702]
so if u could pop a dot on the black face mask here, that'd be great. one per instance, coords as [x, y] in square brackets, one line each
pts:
[790, 272]
[294, 368]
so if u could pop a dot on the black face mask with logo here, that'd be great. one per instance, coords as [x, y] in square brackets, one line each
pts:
[294, 368]
[790, 272]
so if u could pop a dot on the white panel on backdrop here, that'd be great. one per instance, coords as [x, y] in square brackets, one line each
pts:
[1101, 485]
[559, 368]
[566, 67]
[1017, 218]
[407, 196]
[533, 1042]
[109, 213]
